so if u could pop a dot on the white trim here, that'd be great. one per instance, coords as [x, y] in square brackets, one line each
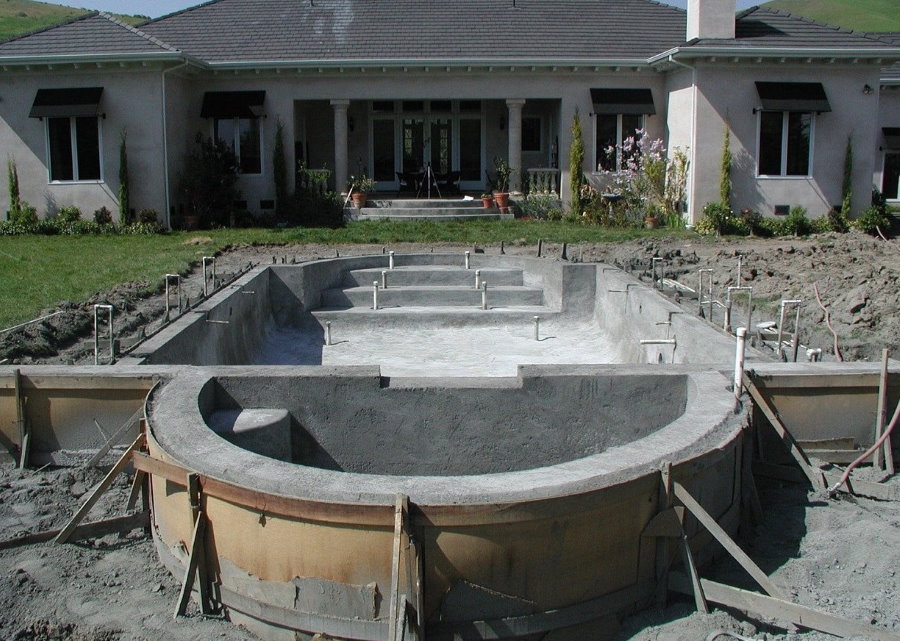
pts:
[236, 143]
[73, 142]
[785, 116]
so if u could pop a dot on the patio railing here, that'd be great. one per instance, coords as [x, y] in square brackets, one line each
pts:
[543, 180]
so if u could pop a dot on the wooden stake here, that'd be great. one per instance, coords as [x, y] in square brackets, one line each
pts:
[663, 560]
[111, 441]
[193, 562]
[722, 537]
[100, 489]
[696, 586]
[815, 476]
[136, 486]
[884, 456]
[24, 432]
[401, 511]
[771, 607]
[86, 531]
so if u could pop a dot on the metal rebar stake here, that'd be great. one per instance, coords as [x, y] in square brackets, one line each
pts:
[206, 261]
[794, 339]
[169, 278]
[112, 355]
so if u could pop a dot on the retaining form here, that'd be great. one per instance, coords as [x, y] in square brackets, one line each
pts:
[542, 548]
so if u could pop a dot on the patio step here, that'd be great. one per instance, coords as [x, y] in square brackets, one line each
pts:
[429, 213]
[420, 203]
[444, 275]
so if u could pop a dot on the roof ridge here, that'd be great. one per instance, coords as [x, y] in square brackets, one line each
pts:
[181, 11]
[138, 32]
[72, 20]
[818, 23]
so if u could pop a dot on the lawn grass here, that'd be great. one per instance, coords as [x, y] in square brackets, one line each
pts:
[38, 272]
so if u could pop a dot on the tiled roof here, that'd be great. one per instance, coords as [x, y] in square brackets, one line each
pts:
[759, 27]
[92, 34]
[304, 30]
[892, 72]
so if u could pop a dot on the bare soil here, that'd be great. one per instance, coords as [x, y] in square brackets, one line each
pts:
[841, 556]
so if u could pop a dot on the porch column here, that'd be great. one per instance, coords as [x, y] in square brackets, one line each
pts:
[341, 155]
[514, 107]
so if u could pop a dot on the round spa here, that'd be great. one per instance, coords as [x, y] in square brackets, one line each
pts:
[340, 502]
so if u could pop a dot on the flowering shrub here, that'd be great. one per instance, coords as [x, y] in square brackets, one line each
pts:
[648, 181]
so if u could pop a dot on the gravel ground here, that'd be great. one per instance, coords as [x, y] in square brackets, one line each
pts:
[840, 556]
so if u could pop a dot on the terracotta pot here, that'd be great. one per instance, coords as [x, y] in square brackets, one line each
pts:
[359, 199]
[651, 222]
[502, 199]
[487, 202]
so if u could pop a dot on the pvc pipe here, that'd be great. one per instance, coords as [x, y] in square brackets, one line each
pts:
[328, 332]
[391, 260]
[484, 301]
[739, 353]
[374, 294]
[467, 260]
[537, 328]
[169, 278]
[477, 279]
[109, 309]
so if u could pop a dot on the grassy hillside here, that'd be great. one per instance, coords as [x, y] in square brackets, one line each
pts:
[23, 16]
[860, 15]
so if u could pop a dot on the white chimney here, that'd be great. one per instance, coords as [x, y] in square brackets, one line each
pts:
[710, 19]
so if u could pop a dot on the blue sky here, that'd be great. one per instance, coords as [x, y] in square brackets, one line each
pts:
[162, 7]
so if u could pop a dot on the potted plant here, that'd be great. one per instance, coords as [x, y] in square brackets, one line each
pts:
[501, 194]
[359, 188]
[651, 216]
[487, 201]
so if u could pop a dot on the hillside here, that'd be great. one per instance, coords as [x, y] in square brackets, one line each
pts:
[859, 15]
[18, 17]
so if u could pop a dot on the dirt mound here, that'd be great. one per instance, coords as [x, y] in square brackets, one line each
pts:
[43, 630]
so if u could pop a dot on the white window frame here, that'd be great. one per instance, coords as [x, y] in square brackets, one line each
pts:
[894, 198]
[619, 136]
[73, 133]
[785, 115]
[236, 143]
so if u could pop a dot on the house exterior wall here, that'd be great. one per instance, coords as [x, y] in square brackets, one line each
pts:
[131, 101]
[728, 94]
[680, 125]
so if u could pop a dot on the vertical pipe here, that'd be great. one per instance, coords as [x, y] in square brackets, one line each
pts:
[205, 286]
[467, 260]
[112, 346]
[795, 341]
[710, 319]
[374, 294]
[328, 332]
[391, 260]
[484, 301]
[477, 279]
[384, 280]
[96, 339]
[740, 349]
[537, 328]
[780, 351]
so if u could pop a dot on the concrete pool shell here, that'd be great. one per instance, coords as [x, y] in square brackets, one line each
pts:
[528, 491]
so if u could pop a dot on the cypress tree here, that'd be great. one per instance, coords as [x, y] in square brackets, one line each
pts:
[124, 198]
[15, 201]
[279, 170]
[576, 165]
[725, 178]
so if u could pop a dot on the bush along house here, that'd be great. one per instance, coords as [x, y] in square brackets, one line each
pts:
[390, 89]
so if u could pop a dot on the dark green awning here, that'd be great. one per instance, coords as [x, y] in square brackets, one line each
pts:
[66, 103]
[623, 101]
[233, 104]
[793, 96]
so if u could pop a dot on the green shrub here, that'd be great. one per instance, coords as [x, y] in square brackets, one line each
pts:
[540, 206]
[68, 214]
[103, 216]
[148, 216]
[838, 218]
[797, 222]
[871, 220]
[27, 214]
[715, 219]
[822, 225]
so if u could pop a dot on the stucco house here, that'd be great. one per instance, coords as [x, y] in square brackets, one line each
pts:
[887, 161]
[388, 88]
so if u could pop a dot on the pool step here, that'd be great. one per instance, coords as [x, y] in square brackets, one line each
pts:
[431, 317]
[432, 296]
[433, 275]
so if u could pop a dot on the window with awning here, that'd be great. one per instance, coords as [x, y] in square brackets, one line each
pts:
[623, 101]
[70, 102]
[793, 96]
[233, 104]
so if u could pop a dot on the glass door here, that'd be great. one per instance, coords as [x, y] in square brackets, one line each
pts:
[413, 145]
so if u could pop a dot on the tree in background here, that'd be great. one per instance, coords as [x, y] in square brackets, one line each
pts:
[725, 179]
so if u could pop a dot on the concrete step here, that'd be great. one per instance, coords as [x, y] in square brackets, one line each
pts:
[421, 203]
[433, 275]
[432, 296]
[436, 214]
[430, 317]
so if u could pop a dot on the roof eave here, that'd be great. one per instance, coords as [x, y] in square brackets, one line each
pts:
[162, 56]
[882, 54]
[401, 63]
